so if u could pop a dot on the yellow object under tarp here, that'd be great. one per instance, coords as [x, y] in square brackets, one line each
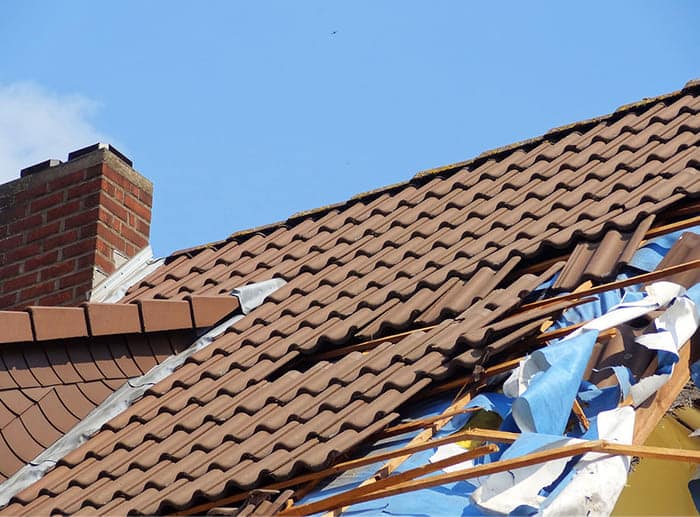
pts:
[482, 419]
[660, 487]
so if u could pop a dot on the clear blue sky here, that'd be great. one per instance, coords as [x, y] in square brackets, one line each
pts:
[244, 113]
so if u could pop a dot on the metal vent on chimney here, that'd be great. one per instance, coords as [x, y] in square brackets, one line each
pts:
[32, 169]
[100, 145]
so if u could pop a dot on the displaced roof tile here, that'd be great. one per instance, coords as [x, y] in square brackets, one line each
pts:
[208, 310]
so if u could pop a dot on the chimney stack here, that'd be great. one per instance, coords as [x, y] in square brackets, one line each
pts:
[65, 227]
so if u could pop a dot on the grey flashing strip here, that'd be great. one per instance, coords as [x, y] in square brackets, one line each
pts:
[249, 297]
[114, 287]
[253, 295]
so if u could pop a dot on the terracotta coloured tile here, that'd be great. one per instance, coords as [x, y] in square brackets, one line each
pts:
[16, 327]
[20, 441]
[58, 322]
[208, 310]
[108, 318]
[37, 425]
[40, 366]
[11, 463]
[164, 315]
[56, 412]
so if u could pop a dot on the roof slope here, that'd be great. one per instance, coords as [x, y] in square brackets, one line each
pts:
[58, 363]
[446, 249]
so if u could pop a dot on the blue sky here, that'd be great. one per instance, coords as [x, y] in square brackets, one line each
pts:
[244, 113]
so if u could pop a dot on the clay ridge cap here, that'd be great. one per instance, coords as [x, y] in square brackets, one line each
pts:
[104, 319]
[553, 134]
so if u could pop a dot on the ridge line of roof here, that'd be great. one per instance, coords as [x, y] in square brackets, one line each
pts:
[35, 324]
[554, 133]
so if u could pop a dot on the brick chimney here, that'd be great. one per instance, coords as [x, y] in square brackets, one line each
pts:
[64, 227]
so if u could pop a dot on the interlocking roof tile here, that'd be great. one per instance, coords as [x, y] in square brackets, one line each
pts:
[447, 251]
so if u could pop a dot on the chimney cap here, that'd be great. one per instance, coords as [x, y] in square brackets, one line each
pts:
[32, 169]
[100, 145]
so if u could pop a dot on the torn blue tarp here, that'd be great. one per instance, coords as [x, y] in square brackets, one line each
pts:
[648, 257]
[592, 482]
[556, 369]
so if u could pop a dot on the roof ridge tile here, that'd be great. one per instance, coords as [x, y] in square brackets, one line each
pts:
[37, 323]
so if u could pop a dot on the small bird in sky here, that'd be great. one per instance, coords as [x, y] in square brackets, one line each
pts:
[334, 32]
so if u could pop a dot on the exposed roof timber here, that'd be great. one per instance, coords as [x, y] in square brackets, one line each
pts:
[639, 279]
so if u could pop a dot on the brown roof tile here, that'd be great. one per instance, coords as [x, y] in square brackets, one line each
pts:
[58, 322]
[107, 319]
[445, 250]
[601, 259]
[16, 327]
[47, 387]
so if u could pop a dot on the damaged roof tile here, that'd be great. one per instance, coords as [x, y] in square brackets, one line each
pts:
[444, 254]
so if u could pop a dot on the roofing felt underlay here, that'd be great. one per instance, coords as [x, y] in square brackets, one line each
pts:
[445, 249]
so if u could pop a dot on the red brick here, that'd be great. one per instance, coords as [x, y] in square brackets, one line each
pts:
[61, 239]
[57, 270]
[10, 271]
[138, 207]
[23, 252]
[114, 207]
[135, 238]
[78, 248]
[69, 208]
[27, 223]
[68, 179]
[32, 193]
[130, 250]
[93, 171]
[43, 231]
[86, 260]
[90, 201]
[119, 195]
[87, 231]
[107, 218]
[142, 227]
[41, 260]
[87, 187]
[75, 278]
[104, 248]
[116, 177]
[37, 290]
[104, 263]
[82, 218]
[8, 301]
[60, 298]
[111, 237]
[42, 203]
[146, 198]
[14, 284]
[11, 242]
[108, 187]
[9, 215]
